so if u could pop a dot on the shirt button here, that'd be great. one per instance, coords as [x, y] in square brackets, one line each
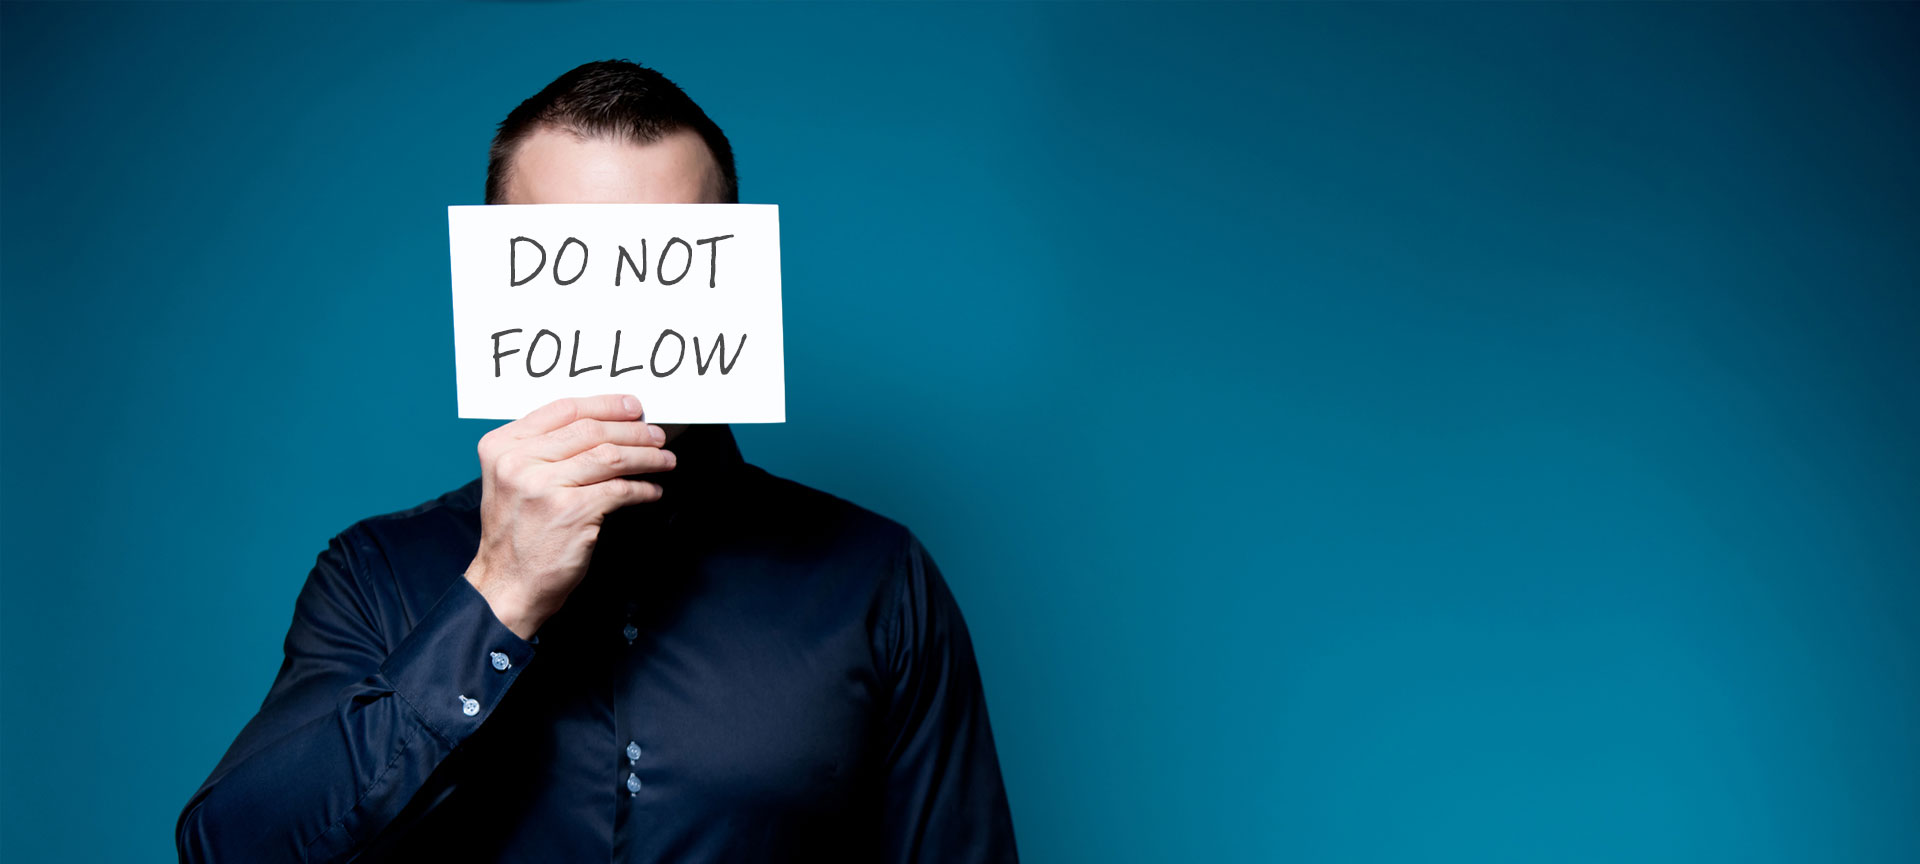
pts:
[631, 632]
[500, 661]
[633, 752]
[633, 784]
[469, 707]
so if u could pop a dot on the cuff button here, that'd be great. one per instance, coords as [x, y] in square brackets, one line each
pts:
[500, 661]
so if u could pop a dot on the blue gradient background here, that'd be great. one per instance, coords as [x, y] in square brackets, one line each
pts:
[1356, 433]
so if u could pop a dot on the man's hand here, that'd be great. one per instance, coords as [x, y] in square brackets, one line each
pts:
[547, 482]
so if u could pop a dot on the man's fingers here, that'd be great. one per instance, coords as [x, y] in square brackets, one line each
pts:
[622, 492]
[560, 412]
[576, 437]
[607, 461]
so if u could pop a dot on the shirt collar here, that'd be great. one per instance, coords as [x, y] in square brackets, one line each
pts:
[705, 457]
[650, 537]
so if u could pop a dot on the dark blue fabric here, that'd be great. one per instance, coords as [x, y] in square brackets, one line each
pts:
[799, 682]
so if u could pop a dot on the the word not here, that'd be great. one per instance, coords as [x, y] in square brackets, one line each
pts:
[624, 261]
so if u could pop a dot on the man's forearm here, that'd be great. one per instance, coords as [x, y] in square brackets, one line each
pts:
[325, 766]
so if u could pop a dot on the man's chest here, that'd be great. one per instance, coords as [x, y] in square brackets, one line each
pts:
[653, 717]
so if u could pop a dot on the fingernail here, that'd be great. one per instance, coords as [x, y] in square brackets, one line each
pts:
[659, 434]
[672, 460]
[632, 405]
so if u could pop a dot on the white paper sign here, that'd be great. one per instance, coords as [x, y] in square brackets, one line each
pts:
[678, 304]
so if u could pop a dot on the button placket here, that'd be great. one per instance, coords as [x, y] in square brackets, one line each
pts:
[632, 752]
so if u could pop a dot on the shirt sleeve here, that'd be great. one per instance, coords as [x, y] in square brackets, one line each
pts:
[353, 725]
[945, 801]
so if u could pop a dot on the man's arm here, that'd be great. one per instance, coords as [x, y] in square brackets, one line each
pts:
[353, 726]
[350, 730]
[944, 799]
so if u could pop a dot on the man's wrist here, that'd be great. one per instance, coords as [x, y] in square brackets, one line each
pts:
[514, 610]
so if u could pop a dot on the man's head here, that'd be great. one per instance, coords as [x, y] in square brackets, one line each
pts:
[610, 132]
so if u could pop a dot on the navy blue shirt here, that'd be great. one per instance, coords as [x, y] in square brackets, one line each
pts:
[751, 670]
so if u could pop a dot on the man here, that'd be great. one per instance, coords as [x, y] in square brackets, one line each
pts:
[621, 642]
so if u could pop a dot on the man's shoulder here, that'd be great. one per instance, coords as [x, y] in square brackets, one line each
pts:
[800, 517]
[444, 528]
[457, 506]
[758, 510]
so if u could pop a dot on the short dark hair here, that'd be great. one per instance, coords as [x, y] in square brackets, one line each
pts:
[609, 98]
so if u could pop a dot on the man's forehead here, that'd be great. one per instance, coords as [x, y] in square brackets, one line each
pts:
[558, 166]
